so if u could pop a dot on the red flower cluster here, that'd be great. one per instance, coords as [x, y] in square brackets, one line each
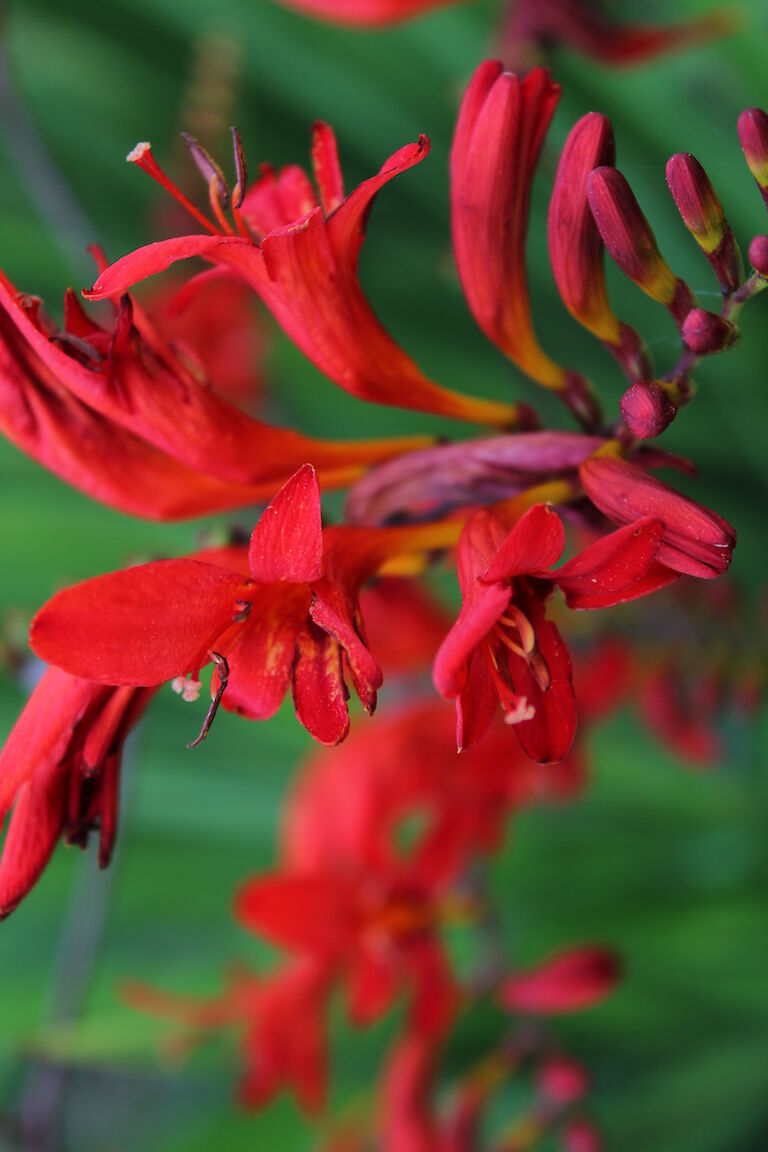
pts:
[126, 414]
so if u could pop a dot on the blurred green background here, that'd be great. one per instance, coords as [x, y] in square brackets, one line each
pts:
[669, 866]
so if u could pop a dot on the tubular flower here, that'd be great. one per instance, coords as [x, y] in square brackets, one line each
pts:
[280, 1018]
[753, 136]
[503, 648]
[435, 480]
[567, 982]
[117, 413]
[61, 766]
[576, 247]
[696, 541]
[301, 256]
[499, 133]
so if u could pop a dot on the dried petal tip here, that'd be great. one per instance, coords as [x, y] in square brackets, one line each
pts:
[753, 136]
[647, 409]
[758, 255]
[703, 216]
[706, 332]
[630, 241]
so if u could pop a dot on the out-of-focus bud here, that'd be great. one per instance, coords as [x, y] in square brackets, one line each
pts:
[567, 982]
[706, 332]
[758, 255]
[696, 541]
[753, 135]
[580, 1136]
[631, 244]
[703, 216]
[647, 409]
[562, 1080]
[575, 245]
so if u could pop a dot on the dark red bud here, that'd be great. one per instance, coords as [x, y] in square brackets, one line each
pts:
[706, 332]
[647, 409]
[630, 242]
[562, 1080]
[758, 255]
[753, 135]
[703, 216]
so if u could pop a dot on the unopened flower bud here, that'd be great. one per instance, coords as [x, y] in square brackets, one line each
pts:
[647, 409]
[630, 241]
[565, 983]
[575, 246]
[703, 216]
[696, 541]
[753, 135]
[706, 332]
[562, 1080]
[581, 1136]
[758, 255]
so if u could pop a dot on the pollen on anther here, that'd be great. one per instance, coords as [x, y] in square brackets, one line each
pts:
[137, 154]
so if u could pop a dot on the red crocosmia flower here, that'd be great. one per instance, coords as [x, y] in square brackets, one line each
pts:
[586, 26]
[503, 648]
[301, 257]
[566, 982]
[365, 13]
[166, 619]
[395, 800]
[117, 412]
[435, 480]
[380, 934]
[61, 766]
[576, 248]
[281, 1021]
[680, 710]
[499, 133]
[696, 541]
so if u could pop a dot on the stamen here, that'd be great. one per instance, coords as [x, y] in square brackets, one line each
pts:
[516, 708]
[222, 667]
[505, 640]
[523, 625]
[241, 170]
[142, 156]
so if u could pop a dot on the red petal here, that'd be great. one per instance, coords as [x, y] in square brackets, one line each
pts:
[34, 828]
[476, 619]
[535, 543]
[325, 162]
[346, 227]
[140, 626]
[609, 571]
[261, 659]
[319, 692]
[333, 611]
[476, 704]
[287, 542]
[154, 258]
[308, 913]
[372, 987]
